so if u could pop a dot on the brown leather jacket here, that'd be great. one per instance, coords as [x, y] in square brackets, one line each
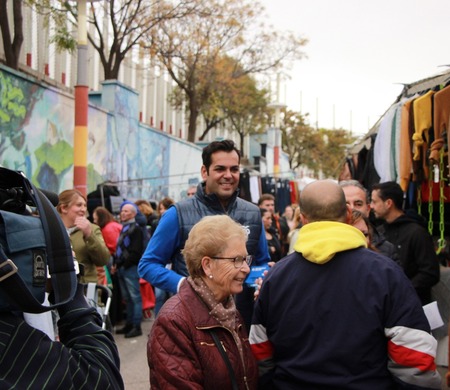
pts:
[182, 354]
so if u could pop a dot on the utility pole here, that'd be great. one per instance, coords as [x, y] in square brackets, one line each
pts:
[80, 133]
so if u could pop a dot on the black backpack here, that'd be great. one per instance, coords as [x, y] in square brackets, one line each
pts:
[34, 247]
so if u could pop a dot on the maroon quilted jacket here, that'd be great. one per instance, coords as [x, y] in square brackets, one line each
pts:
[182, 354]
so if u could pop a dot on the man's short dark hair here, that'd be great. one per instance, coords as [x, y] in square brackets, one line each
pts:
[390, 190]
[226, 145]
[265, 197]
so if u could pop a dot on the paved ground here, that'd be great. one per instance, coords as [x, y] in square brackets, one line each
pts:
[133, 358]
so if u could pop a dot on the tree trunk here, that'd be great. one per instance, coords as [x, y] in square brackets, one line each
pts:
[11, 47]
[241, 139]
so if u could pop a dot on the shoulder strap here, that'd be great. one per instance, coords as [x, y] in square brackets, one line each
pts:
[225, 358]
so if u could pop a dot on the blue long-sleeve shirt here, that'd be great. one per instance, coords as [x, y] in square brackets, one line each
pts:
[163, 246]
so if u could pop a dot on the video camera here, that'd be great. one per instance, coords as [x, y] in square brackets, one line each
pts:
[34, 244]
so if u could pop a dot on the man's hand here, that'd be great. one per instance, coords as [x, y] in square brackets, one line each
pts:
[259, 281]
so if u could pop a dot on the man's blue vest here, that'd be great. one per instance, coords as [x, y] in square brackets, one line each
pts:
[192, 210]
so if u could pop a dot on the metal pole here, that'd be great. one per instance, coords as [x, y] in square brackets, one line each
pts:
[81, 106]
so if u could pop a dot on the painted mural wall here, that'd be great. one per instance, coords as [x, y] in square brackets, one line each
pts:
[36, 136]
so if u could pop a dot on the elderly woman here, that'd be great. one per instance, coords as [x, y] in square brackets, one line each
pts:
[86, 238]
[198, 340]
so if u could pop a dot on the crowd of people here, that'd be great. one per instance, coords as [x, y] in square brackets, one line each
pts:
[339, 307]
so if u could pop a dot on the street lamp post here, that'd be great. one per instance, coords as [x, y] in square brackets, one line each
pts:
[277, 106]
[81, 106]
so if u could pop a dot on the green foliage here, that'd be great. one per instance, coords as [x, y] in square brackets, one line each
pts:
[321, 150]
[59, 156]
[64, 40]
[11, 103]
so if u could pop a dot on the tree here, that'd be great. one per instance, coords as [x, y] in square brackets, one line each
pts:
[235, 101]
[320, 150]
[11, 45]
[245, 107]
[335, 150]
[191, 47]
[300, 140]
[119, 25]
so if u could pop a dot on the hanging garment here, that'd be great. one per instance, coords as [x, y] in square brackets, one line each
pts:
[441, 121]
[405, 164]
[255, 189]
[423, 122]
[383, 161]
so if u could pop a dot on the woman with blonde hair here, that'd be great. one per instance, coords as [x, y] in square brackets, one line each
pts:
[86, 238]
[199, 329]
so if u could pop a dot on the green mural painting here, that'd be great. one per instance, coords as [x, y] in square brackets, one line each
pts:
[15, 102]
[37, 137]
[36, 133]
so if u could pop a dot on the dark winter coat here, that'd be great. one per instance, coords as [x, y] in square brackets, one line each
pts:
[182, 353]
[416, 253]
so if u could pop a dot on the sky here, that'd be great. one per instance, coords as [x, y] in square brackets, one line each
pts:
[359, 54]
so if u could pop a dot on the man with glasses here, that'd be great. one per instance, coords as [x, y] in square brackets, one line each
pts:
[217, 194]
[336, 315]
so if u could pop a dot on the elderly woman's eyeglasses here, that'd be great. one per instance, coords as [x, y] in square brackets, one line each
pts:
[238, 260]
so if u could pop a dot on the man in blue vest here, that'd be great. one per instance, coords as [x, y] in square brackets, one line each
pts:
[217, 194]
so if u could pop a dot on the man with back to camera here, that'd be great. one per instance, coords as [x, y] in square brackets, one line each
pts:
[336, 315]
[414, 244]
[217, 194]
[357, 198]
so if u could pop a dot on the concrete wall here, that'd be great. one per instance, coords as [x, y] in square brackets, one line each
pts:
[36, 136]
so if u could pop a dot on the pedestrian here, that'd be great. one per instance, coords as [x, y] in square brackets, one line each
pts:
[357, 198]
[197, 340]
[279, 224]
[191, 191]
[161, 296]
[130, 247]
[414, 244]
[293, 234]
[217, 194]
[86, 238]
[361, 222]
[110, 229]
[147, 210]
[334, 314]
[273, 242]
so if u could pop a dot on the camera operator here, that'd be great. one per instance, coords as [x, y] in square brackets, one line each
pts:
[85, 356]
